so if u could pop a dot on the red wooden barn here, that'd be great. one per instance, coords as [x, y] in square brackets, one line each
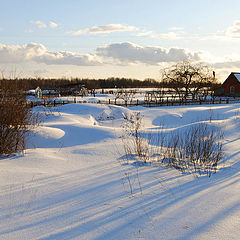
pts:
[231, 85]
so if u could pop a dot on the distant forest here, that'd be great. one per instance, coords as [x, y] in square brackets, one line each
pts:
[32, 83]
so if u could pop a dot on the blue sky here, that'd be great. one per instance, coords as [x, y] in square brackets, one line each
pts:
[134, 38]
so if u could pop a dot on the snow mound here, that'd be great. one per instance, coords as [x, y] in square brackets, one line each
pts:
[71, 183]
[44, 136]
[49, 132]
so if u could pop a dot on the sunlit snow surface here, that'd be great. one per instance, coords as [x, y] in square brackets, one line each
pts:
[71, 183]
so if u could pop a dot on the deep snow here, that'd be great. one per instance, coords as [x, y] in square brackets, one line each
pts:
[72, 184]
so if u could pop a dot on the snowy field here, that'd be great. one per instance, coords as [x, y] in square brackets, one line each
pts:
[71, 182]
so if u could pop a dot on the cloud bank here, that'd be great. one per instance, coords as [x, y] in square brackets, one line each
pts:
[125, 53]
[227, 64]
[39, 53]
[131, 53]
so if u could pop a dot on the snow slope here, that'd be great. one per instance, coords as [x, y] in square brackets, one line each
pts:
[71, 183]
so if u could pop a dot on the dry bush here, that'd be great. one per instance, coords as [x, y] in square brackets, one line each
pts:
[197, 150]
[16, 118]
[134, 139]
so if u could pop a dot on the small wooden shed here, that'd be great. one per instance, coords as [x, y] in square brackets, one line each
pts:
[231, 86]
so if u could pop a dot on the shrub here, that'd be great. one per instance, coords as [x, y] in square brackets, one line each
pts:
[134, 139]
[16, 118]
[198, 149]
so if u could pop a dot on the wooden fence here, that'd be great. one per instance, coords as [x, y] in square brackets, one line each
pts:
[136, 102]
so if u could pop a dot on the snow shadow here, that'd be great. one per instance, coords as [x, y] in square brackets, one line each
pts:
[72, 136]
[101, 208]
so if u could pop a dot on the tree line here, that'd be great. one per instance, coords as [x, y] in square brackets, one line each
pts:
[53, 83]
[184, 78]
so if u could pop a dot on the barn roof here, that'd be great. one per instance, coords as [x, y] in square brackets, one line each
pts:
[237, 75]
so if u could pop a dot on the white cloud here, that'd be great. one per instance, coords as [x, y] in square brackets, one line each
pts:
[225, 35]
[69, 58]
[39, 24]
[53, 24]
[113, 54]
[131, 53]
[169, 35]
[105, 29]
[17, 54]
[39, 53]
[173, 34]
[234, 30]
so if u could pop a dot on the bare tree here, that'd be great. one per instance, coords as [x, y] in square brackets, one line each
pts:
[187, 78]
